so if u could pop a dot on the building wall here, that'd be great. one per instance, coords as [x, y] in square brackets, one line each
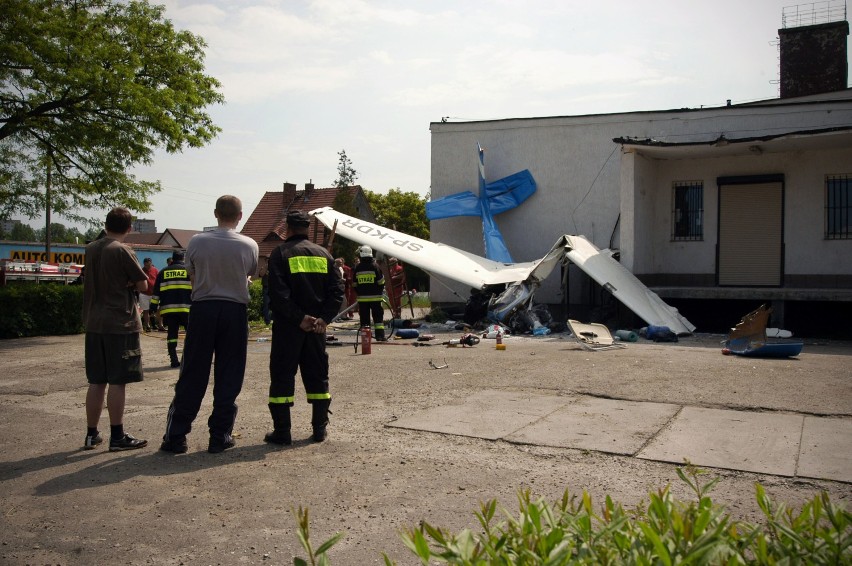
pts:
[806, 250]
[580, 175]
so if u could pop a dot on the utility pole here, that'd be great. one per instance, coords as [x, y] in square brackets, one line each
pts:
[47, 205]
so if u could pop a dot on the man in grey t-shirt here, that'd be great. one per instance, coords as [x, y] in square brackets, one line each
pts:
[219, 263]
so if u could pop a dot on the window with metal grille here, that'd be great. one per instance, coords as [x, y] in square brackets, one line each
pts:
[688, 210]
[838, 207]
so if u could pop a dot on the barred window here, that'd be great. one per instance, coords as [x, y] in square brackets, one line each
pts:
[688, 210]
[838, 207]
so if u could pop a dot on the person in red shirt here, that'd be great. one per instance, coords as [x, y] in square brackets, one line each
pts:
[145, 297]
[397, 275]
[349, 296]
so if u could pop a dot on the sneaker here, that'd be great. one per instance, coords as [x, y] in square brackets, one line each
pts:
[278, 437]
[174, 445]
[126, 443]
[220, 445]
[146, 329]
[175, 364]
[92, 441]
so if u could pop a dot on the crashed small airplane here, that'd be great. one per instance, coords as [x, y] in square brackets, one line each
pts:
[521, 279]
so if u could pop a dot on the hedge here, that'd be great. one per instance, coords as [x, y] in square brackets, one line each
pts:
[52, 309]
[46, 309]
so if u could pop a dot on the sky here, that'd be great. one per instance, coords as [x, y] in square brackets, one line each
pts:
[305, 79]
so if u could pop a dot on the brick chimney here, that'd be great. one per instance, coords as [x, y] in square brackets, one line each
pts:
[289, 194]
[813, 59]
[309, 189]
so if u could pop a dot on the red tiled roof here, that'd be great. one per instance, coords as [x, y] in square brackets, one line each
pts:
[151, 238]
[267, 224]
[181, 236]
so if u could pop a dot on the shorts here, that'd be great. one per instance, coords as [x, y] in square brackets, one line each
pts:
[144, 301]
[113, 358]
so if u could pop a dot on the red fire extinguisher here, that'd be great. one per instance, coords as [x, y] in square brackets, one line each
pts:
[366, 340]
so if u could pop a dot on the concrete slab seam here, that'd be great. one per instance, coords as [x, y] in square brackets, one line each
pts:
[666, 426]
[573, 400]
[799, 448]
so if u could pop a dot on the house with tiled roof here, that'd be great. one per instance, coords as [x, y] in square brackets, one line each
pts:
[177, 237]
[172, 237]
[267, 224]
[144, 238]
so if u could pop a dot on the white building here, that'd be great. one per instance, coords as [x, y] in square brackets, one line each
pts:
[749, 202]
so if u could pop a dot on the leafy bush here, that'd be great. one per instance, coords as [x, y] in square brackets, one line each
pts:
[437, 315]
[420, 300]
[666, 531]
[43, 309]
[255, 306]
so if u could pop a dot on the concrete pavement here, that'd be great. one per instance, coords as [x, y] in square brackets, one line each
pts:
[777, 443]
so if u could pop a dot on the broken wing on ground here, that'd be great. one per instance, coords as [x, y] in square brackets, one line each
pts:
[479, 272]
[624, 286]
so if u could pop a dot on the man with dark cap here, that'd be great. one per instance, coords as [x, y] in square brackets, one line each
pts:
[305, 292]
[172, 297]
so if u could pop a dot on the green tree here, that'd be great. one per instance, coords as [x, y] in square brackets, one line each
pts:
[23, 233]
[89, 89]
[344, 202]
[404, 212]
[346, 174]
[59, 233]
[91, 234]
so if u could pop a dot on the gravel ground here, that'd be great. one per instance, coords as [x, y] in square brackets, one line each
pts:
[62, 505]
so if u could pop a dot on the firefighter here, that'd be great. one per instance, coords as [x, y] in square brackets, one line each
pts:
[172, 297]
[305, 293]
[397, 276]
[369, 284]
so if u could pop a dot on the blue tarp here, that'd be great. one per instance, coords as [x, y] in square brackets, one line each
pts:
[499, 196]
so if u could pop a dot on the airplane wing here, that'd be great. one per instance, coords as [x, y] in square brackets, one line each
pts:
[439, 259]
[624, 286]
[479, 272]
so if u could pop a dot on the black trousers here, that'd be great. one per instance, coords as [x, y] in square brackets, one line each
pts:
[293, 349]
[173, 322]
[217, 329]
[374, 308]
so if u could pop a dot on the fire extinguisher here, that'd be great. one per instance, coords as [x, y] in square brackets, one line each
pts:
[366, 340]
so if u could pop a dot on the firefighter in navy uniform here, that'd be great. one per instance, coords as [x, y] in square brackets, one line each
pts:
[369, 284]
[172, 297]
[305, 293]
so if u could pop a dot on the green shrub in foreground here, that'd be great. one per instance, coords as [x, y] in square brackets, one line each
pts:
[666, 531]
